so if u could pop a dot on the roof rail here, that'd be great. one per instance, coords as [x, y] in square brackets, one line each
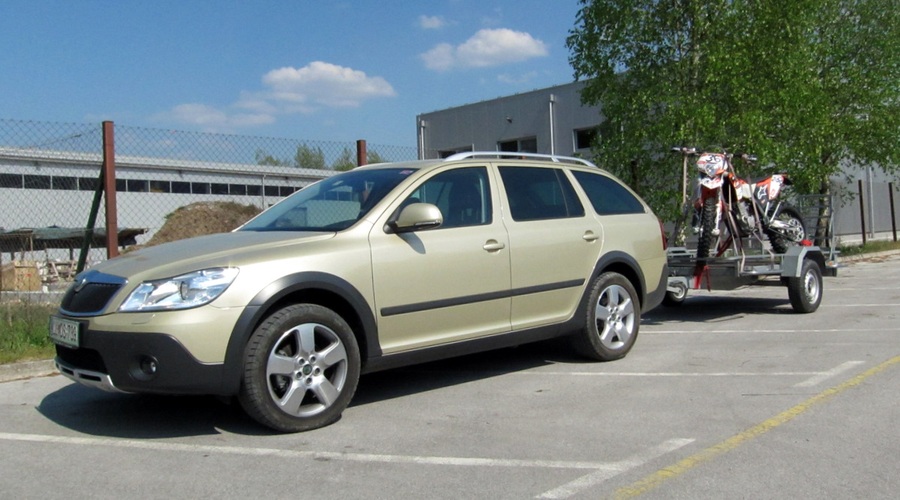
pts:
[519, 156]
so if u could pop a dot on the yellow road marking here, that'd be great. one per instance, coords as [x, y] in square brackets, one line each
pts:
[656, 479]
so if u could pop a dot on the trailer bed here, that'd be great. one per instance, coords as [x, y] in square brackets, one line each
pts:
[800, 269]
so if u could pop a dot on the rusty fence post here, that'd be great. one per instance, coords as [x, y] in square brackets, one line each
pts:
[109, 190]
[361, 154]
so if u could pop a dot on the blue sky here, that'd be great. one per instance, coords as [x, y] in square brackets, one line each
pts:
[310, 70]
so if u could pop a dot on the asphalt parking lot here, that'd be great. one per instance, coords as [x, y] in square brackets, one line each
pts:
[732, 395]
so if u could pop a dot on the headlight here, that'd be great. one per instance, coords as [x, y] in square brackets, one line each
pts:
[181, 292]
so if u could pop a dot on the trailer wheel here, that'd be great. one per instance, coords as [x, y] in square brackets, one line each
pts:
[805, 292]
[676, 298]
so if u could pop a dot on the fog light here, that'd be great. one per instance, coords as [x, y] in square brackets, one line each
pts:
[149, 365]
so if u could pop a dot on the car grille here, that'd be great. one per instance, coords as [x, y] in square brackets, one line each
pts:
[90, 294]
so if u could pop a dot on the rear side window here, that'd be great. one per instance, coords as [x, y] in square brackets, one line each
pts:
[608, 196]
[540, 193]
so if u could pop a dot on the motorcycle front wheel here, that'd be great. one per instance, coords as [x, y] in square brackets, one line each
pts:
[789, 231]
[708, 241]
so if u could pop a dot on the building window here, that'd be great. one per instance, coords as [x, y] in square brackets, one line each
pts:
[88, 183]
[69, 183]
[254, 190]
[10, 181]
[181, 187]
[200, 188]
[216, 188]
[524, 145]
[37, 182]
[272, 191]
[137, 186]
[160, 187]
[237, 189]
[585, 138]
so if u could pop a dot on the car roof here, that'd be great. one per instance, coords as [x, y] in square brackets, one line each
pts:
[489, 155]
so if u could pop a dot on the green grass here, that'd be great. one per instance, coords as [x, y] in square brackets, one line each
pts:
[869, 247]
[23, 331]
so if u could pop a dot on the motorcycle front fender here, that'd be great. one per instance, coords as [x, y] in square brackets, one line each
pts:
[711, 183]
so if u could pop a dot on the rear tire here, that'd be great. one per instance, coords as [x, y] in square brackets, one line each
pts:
[805, 292]
[793, 235]
[301, 368]
[612, 321]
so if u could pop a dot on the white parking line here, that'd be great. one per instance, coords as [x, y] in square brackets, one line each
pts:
[821, 377]
[595, 478]
[815, 377]
[609, 467]
[645, 329]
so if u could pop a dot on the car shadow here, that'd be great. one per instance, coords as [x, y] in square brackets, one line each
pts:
[712, 308]
[400, 382]
[93, 412]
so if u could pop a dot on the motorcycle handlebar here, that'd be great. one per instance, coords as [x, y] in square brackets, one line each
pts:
[684, 150]
[693, 152]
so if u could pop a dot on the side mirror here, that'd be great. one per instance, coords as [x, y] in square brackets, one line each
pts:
[416, 217]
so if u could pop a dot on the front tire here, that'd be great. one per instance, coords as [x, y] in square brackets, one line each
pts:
[612, 321]
[708, 241]
[301, 368]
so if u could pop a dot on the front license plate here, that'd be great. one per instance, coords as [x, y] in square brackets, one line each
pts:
[65, 332]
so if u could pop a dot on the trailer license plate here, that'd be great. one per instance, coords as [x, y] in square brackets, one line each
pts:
[65, 332]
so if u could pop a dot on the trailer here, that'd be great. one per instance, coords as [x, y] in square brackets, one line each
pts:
[800, 269]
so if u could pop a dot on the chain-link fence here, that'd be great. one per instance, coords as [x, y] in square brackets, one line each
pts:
[50, 174]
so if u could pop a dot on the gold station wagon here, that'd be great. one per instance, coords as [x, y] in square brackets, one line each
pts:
[382, 266]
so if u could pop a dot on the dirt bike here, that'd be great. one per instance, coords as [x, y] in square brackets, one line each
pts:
[729, 208]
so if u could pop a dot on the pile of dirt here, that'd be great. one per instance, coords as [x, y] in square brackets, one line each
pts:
[205, 217]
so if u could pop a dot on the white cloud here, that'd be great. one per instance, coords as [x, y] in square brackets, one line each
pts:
[431, 22]
[287, 90]
[211, 118]
[325, 84]
[488, 47]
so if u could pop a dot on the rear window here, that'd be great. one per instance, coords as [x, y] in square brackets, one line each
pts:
[540, 193]
[608, 196]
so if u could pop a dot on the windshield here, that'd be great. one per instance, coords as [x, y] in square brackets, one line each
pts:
[332, 204]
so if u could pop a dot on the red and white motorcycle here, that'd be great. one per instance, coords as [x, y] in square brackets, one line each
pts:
[729, 208]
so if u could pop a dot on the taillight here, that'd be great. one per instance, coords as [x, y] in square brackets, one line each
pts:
[662, 234]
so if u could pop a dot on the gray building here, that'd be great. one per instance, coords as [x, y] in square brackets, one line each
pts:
[549, 121]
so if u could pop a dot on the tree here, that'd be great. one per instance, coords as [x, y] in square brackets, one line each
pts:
[807, 85]
[372, 156]
[346, 161]
[307, 157]
[263, 158]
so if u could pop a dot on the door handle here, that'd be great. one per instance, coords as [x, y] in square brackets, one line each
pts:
[589, 236]
[493, 246]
